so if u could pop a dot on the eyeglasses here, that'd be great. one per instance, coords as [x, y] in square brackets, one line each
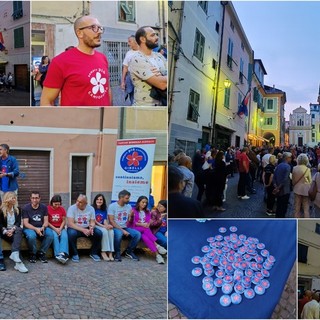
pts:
[94, 28]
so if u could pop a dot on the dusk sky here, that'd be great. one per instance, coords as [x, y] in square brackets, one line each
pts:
[285, 36]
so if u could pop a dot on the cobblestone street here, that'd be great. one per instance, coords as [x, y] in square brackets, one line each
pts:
[85, 290]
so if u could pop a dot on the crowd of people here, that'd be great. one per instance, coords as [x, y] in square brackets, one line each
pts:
[308, 305]
[105, 226]
[6, 82]
[281, 170]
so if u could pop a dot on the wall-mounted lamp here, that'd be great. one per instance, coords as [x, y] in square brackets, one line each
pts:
[227, 83]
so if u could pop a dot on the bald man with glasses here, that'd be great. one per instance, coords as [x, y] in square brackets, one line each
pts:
[80, 74]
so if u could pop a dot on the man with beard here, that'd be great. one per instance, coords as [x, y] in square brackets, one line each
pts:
[81, 73]
[148, 70]
[118, 214]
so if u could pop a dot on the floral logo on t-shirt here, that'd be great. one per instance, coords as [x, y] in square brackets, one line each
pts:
[98, 83]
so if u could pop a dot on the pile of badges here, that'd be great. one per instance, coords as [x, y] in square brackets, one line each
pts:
[235, 263]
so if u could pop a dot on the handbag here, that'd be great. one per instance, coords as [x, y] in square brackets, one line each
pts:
[159, 94]
[313, 189]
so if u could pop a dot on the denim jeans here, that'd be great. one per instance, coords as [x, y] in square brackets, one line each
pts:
[60, 243]
[135, 238]
[74, 234]
[32, 236]
[161, 239]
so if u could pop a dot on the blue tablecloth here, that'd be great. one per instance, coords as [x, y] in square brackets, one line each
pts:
[186, 237]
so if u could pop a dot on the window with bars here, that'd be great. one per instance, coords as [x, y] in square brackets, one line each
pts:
[115, 53]
[193, 109]
[18, 38]
[127, 11]
[199, 43]
[17, 10]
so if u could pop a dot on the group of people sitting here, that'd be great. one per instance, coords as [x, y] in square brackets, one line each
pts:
[106, 227]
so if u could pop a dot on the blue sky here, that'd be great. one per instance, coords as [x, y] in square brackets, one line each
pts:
[285, 36]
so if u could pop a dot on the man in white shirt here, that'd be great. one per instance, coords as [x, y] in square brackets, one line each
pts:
[126, 82]
[311, 309]
[148, 69]
[118, 214]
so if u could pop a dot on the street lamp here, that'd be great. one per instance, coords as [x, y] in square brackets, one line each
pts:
[227, 83]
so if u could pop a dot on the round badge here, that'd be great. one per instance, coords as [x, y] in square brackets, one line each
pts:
[220, 273]
[218, 282]
[265, 283]
[212, 292]
[209, 272]
[207, 286]
[225, 300]
[207, 279]
[233, 229]
[259, 289]
[249, 272]
[265, 273]
[261, 246]
[239, 288]
[265, 253]
[222, 230]
[210, 239]
[272, 259]
[228, 278]
[207, 266]
[249, 293]
[219, 237]
[197, 272]
[258, 259]
[205, 249]
[236, 298]
[227, 288]
[196, 260]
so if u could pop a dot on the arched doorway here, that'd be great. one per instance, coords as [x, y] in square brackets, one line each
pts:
[270, 136]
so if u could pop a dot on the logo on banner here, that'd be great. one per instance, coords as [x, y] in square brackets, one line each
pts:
[134, 160]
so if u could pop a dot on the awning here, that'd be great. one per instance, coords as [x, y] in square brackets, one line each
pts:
[3, 62]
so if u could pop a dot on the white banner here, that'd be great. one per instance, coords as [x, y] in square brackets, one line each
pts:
[133, 167]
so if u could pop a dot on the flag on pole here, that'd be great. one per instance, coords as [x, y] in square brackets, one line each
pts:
[243, 107]
[2, 47]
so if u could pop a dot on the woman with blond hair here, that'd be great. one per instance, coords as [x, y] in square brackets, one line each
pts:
[10, 227]
[301, 181]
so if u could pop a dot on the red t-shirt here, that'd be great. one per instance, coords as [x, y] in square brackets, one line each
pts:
[82, 78]
[55, 216]
[243, 158]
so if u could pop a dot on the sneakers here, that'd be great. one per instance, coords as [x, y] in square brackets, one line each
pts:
[131, 255]
[161, 250]
[75, 258]
[117, 257]
[2, 265]
[159, 259]
[15, 256]
[33, 258]
[245, 197]
[21, 267]
[62, 257]
[95, 257]
[42, 257]
[270, 213]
